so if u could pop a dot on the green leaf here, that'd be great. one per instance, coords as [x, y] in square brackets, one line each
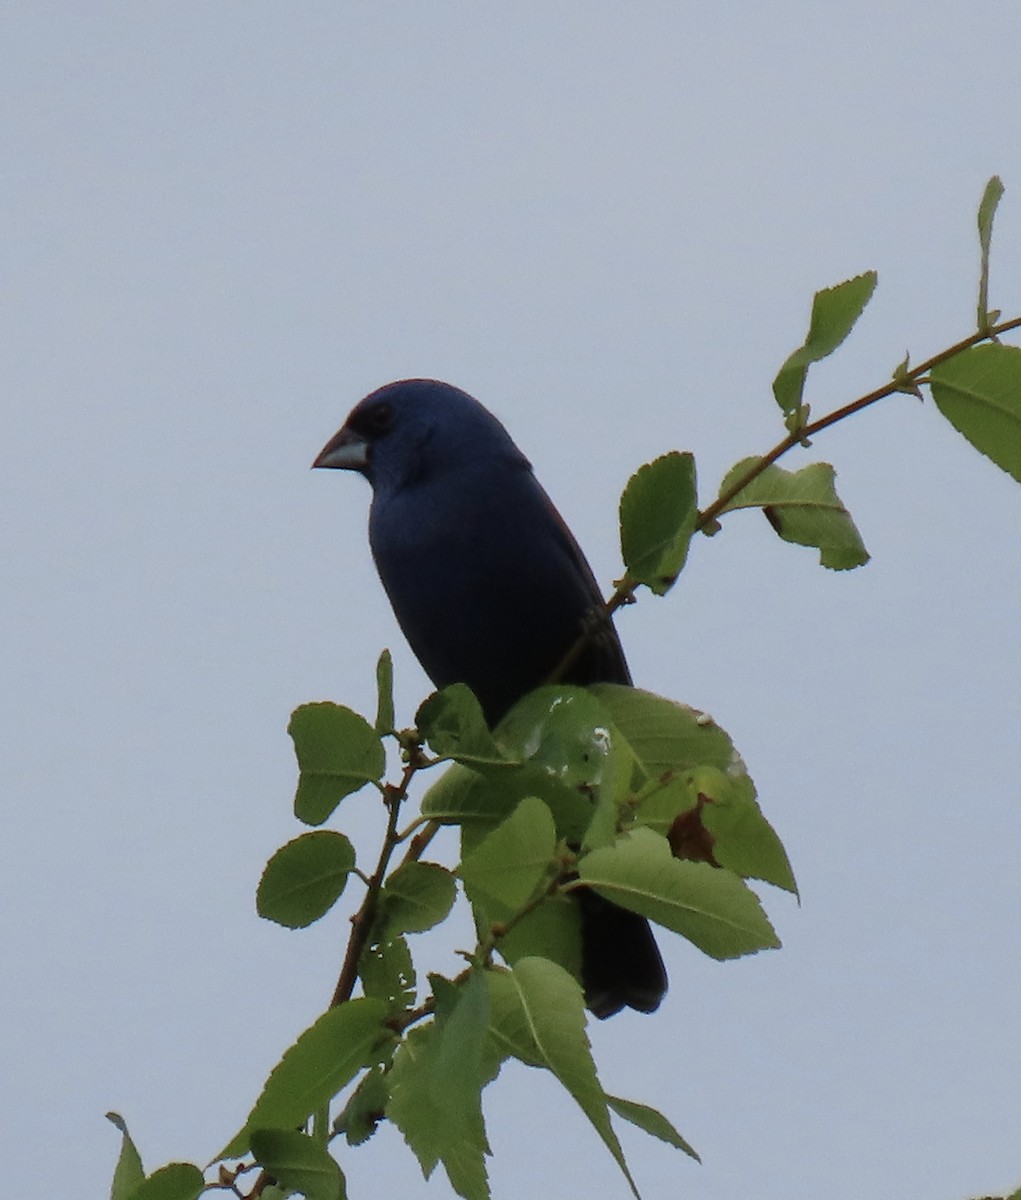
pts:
[435, 1091]
[129, 1172]
[803, 507]
[613, 793]
[464, 797]
[682, 754]
[298, 1162]
[416, 897]
[305, 878]
[459, 1076]
[554, 1011]
[411, 1106]
[834, 313]
[384, 694]
[387, 973]
[743, 840]
[652, 1121]
[657, 518]
[979, 393]
[556, 743]
[338, 752]
[553, 931]
[707, 806]
[176, 1181]
[366, 1107]
[509, 1030]
[563, 737]
[664, 735]
[986, 212]
[711, 907]
[451, 721]
[505, 869]
[324, 1059]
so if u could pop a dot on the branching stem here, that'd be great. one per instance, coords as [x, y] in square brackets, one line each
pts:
[908, 381]
[362, 921]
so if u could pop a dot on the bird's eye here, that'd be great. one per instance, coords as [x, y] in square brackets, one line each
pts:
[377, 419]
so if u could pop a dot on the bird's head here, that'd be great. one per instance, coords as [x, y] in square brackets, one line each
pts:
[412, 430]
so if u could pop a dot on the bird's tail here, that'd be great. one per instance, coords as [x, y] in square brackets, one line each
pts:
[621, 963]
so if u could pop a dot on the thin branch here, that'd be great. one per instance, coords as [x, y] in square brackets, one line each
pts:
[908, 381]
[901, 383]
[362, 921]
[419, 842]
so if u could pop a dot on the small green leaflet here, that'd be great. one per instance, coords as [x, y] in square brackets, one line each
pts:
[384, 694]
[338, 752]
[416, 897]
[365, 1108]
[305, 878]
[803, 507]
[651, 1121]
[657, 518]
[129, 1172]
[834, 313]
[665, 735]
[451, 721]
[986, 212]
[298, 1162]
[979, 393]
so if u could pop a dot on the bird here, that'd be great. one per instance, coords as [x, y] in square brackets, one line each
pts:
[491, 589]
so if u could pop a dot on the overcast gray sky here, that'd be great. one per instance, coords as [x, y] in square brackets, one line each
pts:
[223, 223]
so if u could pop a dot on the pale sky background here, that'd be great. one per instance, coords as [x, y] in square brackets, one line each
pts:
[223, 223]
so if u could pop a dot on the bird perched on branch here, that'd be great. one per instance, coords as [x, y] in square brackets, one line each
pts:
[491, 590]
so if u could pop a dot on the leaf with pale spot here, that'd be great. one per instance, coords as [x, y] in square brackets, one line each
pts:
[388, 973]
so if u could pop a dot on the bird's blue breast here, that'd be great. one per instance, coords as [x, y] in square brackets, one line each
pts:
[486, 582]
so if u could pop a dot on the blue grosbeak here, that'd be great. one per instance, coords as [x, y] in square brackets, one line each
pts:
[491, 590]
